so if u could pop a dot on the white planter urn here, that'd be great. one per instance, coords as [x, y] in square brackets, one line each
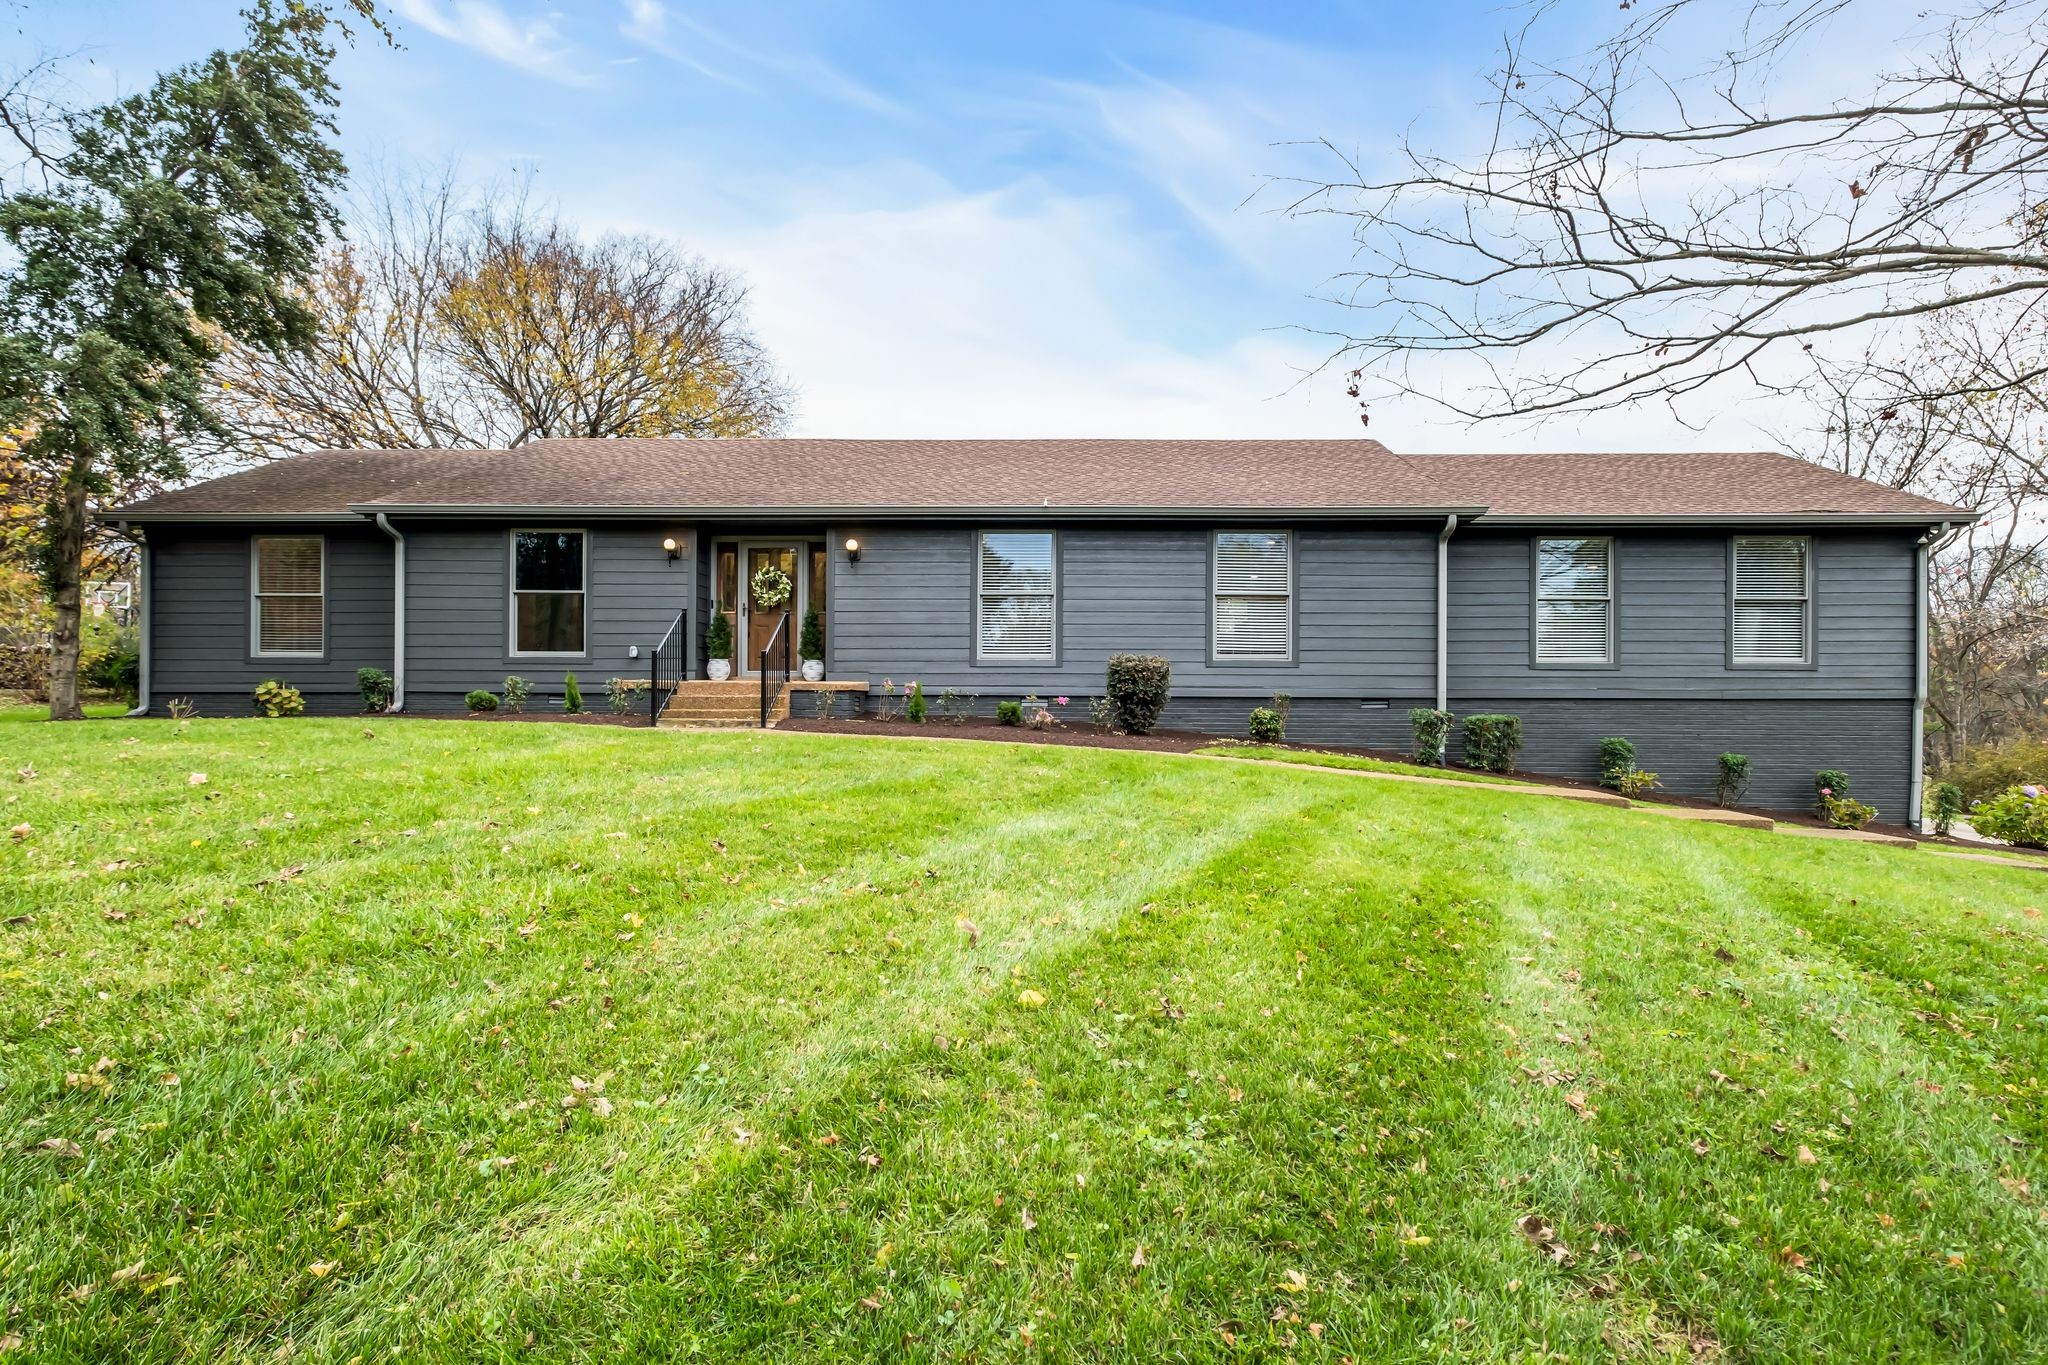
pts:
[814, 669]
[718, 670]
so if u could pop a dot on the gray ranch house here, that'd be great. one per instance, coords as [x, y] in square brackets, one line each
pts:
[1693, 603]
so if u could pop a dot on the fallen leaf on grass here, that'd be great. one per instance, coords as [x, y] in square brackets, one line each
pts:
[12, 1341]
[1577, 1100]
[320, 1270]
[1788, 1257]
[283, 876]
[22, 831]
[58, 1147]
[195, 779]
[1025, 1219]
[1138, 1261]
[1031, 999]
[1806, 1156]
[1292, 1282]
[1537, 1230]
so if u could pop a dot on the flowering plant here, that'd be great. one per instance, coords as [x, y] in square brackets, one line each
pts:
[2018, 815]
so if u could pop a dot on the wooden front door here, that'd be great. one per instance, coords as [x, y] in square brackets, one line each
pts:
[760, 619]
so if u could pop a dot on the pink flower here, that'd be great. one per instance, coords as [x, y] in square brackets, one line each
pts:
[1827, 791]
[1062, 701]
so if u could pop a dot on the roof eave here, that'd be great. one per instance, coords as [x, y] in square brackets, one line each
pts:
[904, 512]
[1928, 518]
[146, 517]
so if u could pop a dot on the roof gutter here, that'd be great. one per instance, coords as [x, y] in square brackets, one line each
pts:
[397, 612]
[902, 512]
[1443, 612]
[1929, 545]
[143, 615]
[1813, 518]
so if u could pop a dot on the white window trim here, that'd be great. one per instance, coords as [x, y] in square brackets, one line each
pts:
[1216, 651]
[1606, 658]
[980, 537]
[256, 596]
[512, 593]
[1736, 599]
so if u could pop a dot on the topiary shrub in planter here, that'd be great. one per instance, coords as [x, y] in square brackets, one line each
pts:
[1137, 690]
[2018, 815]
[718, 647]
[810, 645]
[1732, 778]
[274, 699]
[1829, 783]
[1266, 726]
[375, 687]
[1432, 731]
[1945, 804]
[1010, 712]
[1492, 741]
[1617, 756]
[480, 700]
[572, 696]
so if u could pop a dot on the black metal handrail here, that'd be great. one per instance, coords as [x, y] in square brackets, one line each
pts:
[666, 666]
[781, 634]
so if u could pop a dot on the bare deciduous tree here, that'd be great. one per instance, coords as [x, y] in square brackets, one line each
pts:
[445, 323]
[1630, 230]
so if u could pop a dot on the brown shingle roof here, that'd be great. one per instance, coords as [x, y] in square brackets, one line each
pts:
[1059, 475]
[1750, 483]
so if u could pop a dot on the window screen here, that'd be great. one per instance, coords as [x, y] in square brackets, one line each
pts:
[1014, 602]
[1575, 600]
[291, 602]
[1254, 595]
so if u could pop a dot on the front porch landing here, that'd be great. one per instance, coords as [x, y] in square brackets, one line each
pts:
[735, 704]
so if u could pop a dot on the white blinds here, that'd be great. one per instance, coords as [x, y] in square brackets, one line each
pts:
[1254, 606]
[290, 606]
[1575, 601]
[1771, 618]
[1014, 596]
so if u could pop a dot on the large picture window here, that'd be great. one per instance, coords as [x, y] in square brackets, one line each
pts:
[1015, 606]
[547, 592]
[1771, 619]
[1575, 600]
[290, 591]
[1252, 609]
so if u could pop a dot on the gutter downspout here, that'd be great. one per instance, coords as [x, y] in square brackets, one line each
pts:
[143, 616]
[1443, 613]
[1916, 790]
[397, 612]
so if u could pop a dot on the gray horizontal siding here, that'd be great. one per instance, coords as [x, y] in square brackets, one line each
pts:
[1671, 621]
[199, 619]
[458, 609]
[1364, 611]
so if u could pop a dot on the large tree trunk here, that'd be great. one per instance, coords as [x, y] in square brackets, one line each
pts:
[66, 570]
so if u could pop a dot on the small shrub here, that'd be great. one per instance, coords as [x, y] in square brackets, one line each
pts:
[274, 699]
[1101, 714]
[954, 705]
[811, 643]
[572, 696]
[1491, 742]
[182, 708]
[1432, 731]
[1038, 715]
[1846, 812]
[1828, 783]
[2018, 815]
[1283, 702]
[827, 702]
[1984, 772]
[718, 637]
[481, 700]
[375, 687]
[623, 693]
[517, 690]
[914, 706]
[1010, 712]
[1265, 725]
[1945, 803]
[1635, 783]
[1732, 778]
[118, 669]
[1138, 685]
[1617, 757]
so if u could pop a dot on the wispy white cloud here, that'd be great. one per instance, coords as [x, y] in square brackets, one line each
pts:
[683, 39]
[531, 44]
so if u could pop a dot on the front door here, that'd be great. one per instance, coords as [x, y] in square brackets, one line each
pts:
[758, 619]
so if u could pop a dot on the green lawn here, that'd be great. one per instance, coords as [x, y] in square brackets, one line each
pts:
[1317, 758]
[417, 1040]
[97, 710]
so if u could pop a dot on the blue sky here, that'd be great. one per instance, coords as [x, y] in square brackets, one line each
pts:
[972, 219]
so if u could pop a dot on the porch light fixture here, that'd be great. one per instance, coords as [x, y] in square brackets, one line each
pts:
[669, 543]
[852, 550]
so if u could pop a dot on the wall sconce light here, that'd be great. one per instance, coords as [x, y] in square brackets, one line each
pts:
[852, 550]
[669, 543]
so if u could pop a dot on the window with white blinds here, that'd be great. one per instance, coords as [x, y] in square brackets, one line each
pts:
[1575, 600]
[1253, 607]
[289, 588]
[1015, 606]
[1772, 619]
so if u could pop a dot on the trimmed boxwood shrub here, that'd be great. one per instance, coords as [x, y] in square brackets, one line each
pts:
[1137, 690]
[1432, 732]
[1265, 725]
[1617, 757]
[1492, 741]
[376, 688]
[481, 700]
[1732, 779]
[1010, 712]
